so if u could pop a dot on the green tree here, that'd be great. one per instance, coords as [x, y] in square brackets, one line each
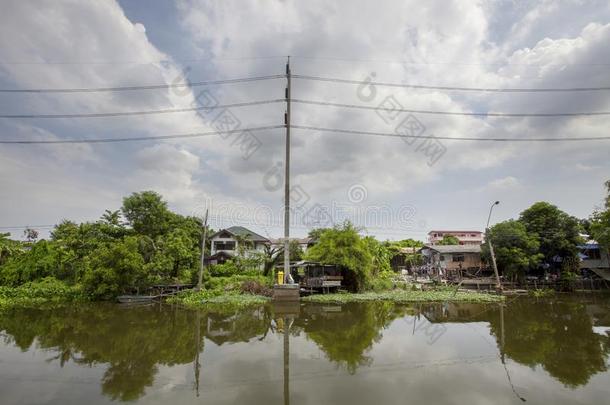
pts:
[343, 246]
[9, 248]
[516, 250]
[600, 222]
[147, 213]
[449, 240]
[380, 255]
[115, 268]
[558, 232]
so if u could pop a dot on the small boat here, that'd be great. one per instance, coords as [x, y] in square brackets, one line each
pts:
[135, 299]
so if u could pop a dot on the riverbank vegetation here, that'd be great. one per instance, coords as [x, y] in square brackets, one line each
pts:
[42, 292]
[235, 291]
[405, 296]
[144, 243]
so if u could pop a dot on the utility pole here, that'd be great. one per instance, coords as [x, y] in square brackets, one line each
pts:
[287, 179]
[205, 231]
[491, 248]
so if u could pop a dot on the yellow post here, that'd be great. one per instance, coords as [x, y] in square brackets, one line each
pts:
[280, 277]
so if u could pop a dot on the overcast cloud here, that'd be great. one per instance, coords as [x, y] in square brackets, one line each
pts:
[67, 44]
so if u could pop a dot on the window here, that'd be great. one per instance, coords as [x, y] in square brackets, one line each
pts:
[441, 258]
[224, 245]
[458, 258]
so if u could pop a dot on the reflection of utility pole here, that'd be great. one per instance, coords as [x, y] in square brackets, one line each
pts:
[286, 363]
[502, 332]
[287, 180]
[205, 230]
[512, 387]
[197, 348]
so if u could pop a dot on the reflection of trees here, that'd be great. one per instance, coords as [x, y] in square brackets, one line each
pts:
[556, 334]
[236, 326]
[132, 341]
[346, 336]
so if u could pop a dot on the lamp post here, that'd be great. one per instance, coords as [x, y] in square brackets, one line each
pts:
[491, 248]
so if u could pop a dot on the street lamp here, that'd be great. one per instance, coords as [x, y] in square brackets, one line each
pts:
[491, 248]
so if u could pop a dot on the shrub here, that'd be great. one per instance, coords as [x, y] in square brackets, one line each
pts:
[382, 282]
[256, 287]
[226, 269]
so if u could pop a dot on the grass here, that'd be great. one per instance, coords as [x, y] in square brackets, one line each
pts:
[441, 295]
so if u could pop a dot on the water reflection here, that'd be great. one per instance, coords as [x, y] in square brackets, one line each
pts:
[130, 345]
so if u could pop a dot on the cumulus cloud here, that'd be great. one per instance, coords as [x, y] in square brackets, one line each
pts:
[489, 44]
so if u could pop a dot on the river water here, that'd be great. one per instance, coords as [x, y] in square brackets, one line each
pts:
[552, 350]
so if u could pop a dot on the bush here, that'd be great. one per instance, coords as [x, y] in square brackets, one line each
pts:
[226, 269]
[255, 287]
[48, 289]
[382, 282]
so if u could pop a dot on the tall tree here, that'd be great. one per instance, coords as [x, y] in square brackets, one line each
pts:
[516, 250]
[147, 213]
[600, 222]
[558, 233]
[343, 246]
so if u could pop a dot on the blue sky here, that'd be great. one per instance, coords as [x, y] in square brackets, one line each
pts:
[64, 44]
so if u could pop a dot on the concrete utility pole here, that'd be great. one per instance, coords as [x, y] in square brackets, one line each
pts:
[287, 180]
[491, 248]
[205, 231]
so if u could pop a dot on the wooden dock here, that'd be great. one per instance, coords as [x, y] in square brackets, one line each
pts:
[155, 293]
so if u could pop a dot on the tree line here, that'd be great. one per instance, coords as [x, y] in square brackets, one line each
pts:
[545, 240]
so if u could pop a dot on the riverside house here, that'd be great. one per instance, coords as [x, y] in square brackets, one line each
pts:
[453, 257]
[226, 243]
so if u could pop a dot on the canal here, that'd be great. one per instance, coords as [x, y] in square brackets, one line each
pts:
[551, 350]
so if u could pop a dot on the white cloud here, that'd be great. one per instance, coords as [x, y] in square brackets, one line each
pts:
[440, 42]
[508, 182]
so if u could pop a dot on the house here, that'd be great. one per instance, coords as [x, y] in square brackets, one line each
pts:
[404, 259]
[453, 257]
[225, 243]
[595, 259]
[465, 237]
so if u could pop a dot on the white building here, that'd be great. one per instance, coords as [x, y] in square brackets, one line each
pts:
[226, 243]
[465, 237]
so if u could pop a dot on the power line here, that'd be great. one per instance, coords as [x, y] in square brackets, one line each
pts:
[310, 128]
[479, 114]
[426, 63]
[148, 87]
[149, 62]
[452, 88]
[146, 112]
[448, 138]
[136, 139]
[309, 102]
[302, 57]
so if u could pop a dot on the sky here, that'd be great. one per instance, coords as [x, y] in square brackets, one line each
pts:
[392, 187]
